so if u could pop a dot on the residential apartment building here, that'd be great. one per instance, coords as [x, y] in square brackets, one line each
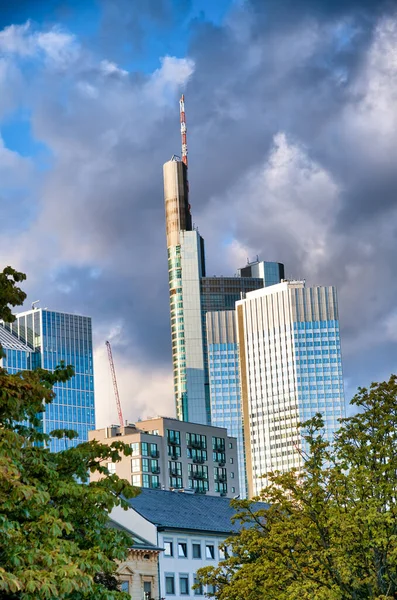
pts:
[170, 454]
[291, 369]
[53, 337]
[191, 529]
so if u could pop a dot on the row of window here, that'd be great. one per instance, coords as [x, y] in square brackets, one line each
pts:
[184, 585]
[180, 550]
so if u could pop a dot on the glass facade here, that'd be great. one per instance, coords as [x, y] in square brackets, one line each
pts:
[18, 356]
[55, 337]
[223, 370]
[291, 368]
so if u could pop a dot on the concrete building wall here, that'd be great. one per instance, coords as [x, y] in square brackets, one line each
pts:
[187, 456]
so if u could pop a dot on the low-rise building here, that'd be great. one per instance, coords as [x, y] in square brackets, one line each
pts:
[139, 573]
[190, 528]
[171, 454]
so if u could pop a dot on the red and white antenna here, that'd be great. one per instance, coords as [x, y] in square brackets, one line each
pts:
[183, 128]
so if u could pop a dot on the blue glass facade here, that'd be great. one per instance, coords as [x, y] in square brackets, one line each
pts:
[226, 411]
[56, 337]
[319, 372]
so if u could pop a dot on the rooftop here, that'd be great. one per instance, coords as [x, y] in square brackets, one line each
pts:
[182, 510]
[137, 542]
[9, 341]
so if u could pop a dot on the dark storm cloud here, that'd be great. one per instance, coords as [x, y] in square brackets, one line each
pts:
[290, 157]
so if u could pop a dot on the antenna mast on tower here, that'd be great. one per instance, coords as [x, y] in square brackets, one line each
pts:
[183, 128]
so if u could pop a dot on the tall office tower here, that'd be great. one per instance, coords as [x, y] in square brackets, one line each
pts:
[192, 294]
[290, 366]
[224, 378]
[55, 337]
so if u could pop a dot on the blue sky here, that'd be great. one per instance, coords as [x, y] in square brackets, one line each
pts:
[292, 131]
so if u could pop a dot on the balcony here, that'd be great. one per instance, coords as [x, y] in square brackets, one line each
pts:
[155, 454]
[174, 456]
[221, 463]
[197, 491]
[198, 461]
[173, 442]
[198, 475]
[198, 445]
[218, 447]
[222, 494]
[156, 485]
[175, 472]
[155, 470]
[221, 478]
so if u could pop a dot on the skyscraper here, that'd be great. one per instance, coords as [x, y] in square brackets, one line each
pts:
[54, 337]
[192, 294]
[224, 379]
[18, 356]
[290, 367]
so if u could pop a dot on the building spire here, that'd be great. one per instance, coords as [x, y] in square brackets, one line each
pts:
[183, 128]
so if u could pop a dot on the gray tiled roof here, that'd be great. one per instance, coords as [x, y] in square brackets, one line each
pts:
[137, 542]
[7, 340]
[180, 510]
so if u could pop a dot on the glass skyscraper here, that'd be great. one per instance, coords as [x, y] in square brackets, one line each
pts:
[18, 356]
[223, 370]
[193, 294]
[291, 369]
[54, 337]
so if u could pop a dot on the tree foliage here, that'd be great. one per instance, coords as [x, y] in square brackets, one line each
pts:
[55, 542]
[330, 532]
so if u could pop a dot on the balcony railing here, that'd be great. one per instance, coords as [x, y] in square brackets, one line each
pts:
[220, 478]
[218, 447]
[175, 472]
[173, 456]
[198, 475]
[197, 491]
[155, 454]
[198, 460]
[221, 463]
[174, 442]
[155, 470]
[198, 445]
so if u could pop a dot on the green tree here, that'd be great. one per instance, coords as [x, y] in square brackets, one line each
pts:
[330, 532]
[55, 542]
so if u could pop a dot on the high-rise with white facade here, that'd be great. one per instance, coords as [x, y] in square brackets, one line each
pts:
[290, 368]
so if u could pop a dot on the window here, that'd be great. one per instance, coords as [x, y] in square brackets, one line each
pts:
[169, 584]
[210, 551]
[196, 550]
[210, 589]
[135, 448]
[145, 465]
[182, 549]
[136, 480]
[231, 461]
[111, 468]
[230, 445]
[168, 548]
[184, 585]
[145, 481]
[231, 475]
[233, 490]
[135, 465]
[222, 552]
[147, 589]
[125, 586]
[199, 590]
[144, 449]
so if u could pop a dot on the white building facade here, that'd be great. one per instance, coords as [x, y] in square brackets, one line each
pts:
[291, 369]
[189, 529]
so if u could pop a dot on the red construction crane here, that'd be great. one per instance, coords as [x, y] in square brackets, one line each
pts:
[116, 389]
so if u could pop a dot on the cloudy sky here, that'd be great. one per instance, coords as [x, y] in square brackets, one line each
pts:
[292, 134]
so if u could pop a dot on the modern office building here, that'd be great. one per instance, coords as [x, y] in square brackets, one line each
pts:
[290, 366]
[54, 337]
[191, 530]
[18, 356]
[271, 272]
[224, 377]
[192, 293]
[170, 454]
